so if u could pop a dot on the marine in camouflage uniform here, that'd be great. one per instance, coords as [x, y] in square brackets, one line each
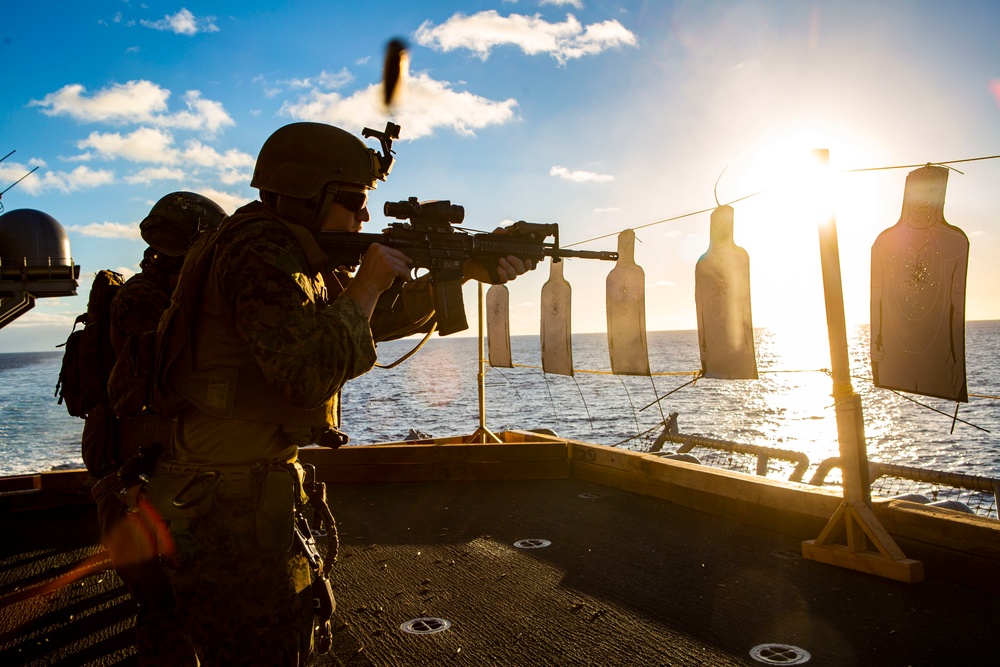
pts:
[127, 534]
[307, 344]
[277, 337]
[140, 302]
[130, 543]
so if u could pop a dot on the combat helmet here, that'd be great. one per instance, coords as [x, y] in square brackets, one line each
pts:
[299, 159]
[176, 219]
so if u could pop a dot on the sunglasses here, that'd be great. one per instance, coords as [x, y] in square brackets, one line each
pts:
[352, 201]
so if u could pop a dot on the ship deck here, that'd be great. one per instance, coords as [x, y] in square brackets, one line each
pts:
[626, 579]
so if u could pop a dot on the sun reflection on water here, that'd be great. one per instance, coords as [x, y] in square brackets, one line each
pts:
[795, 394]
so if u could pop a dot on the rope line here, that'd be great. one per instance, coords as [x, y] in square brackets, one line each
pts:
[954, 417]
[926, 164]
[659, 399]
[638, 435]
[635, 417]
[659, 405]
[707, 210]
[696, 375]
[584, 400]
[594, 372]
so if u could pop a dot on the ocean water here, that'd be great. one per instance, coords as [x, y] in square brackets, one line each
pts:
[435, 392]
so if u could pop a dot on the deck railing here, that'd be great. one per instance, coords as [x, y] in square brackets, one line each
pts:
[973, 493]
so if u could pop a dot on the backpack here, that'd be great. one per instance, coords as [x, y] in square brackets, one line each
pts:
[142, 376]
[83, 377]
[88, 356]
[139, 378]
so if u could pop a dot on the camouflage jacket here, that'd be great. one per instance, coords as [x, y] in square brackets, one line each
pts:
[274, 344]
[138, 305]
[306, 342]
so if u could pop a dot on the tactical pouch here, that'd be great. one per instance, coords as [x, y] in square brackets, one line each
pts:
[100, 441]
[132, 375]
[324, 605]
[323, 601]
[274, 515]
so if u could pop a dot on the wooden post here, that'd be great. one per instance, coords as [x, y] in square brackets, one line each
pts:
[482, 434]
[853, 524]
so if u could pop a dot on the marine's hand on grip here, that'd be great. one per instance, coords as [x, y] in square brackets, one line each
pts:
[506, 268]
[380, 266]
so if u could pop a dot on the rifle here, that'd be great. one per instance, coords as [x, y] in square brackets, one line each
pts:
[431, 241]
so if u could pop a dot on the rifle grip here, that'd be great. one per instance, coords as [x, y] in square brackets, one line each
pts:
[448, 306]
[493, 269]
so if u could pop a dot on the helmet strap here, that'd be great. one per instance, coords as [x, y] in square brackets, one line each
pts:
[326, 195]
[304, 212]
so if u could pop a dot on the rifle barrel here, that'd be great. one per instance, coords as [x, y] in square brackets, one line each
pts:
[606, 255]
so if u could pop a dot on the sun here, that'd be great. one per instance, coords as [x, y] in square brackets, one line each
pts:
[779, 228]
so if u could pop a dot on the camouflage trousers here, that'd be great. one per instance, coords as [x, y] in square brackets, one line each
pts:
[240, 604]
[130, 539]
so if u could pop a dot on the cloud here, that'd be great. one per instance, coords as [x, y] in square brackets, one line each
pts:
[39, 318]
[107, 230]
[183, 23]
[152, 144]
[229, 201]
[574, 3]
[202, 114]
[134, 102]
[156, 146]
[82, 157]
[151, 174]
[325, 80]
[145, 144]
[81, 178]
[610, 209]
[579, 176]
[424, 105]
[565, 41]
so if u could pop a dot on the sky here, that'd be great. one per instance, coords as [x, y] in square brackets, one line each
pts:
[597, 115]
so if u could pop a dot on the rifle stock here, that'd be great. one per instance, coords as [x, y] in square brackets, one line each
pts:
[432, 243]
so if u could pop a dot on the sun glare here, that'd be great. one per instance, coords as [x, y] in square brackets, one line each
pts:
[779, 228]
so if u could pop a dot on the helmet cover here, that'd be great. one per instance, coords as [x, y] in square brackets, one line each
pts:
[176, 219]
[297, 160]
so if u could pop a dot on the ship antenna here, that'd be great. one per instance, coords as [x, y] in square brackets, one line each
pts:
[18, 180]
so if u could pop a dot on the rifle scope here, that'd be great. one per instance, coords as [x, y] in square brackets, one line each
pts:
[425, 211]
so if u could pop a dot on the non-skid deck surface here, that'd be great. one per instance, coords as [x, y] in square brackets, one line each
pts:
[625, 580]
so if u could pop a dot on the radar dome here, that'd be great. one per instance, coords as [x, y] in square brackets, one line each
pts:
[33, 239]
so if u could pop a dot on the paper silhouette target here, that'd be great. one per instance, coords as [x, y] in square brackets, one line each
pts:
[557, 341]
[919, 268]
[498, 326]
[626, 298]
[722, 302]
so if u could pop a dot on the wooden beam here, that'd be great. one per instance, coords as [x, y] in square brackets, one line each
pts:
[443, 461]
[858, 526]
[447, 453]
[444, 472]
